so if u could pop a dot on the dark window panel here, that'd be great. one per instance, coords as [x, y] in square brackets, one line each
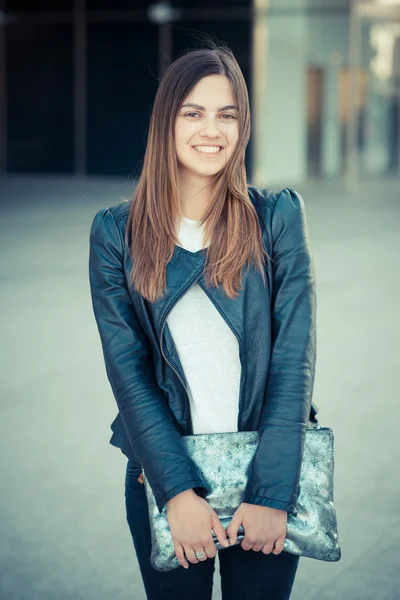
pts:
[117, 4]
[122, 83]
[189, 4]
[39, 98]
[39, 6]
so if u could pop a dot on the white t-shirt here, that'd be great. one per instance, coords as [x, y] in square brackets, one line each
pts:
[208, 350]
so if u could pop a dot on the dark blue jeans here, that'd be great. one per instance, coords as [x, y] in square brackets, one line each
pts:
[245, 574]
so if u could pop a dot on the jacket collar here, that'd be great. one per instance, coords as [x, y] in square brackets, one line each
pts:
[182, 271]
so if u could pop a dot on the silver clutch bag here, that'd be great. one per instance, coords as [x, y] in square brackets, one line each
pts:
[224, 460]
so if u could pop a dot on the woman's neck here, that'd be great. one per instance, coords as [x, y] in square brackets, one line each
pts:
[194, 194]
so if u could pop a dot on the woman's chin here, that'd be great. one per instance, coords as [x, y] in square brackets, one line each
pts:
[206, 171]
[199, 171]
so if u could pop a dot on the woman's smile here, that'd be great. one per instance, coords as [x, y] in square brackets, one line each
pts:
[208, 151]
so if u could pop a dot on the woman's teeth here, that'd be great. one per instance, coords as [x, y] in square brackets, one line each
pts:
[208, 149]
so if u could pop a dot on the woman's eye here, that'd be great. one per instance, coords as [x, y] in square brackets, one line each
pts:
[224, 115]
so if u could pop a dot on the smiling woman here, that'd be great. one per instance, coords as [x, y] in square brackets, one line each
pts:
[195, 344]
[211, 131]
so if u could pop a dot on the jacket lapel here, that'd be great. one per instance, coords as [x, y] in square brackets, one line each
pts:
[182, 271]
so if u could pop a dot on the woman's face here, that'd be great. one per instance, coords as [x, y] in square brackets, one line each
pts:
[206, 134]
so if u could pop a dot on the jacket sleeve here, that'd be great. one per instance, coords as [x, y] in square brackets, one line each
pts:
[275, 470]
[147, 419]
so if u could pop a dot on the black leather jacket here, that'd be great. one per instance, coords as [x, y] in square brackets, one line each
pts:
[275, 326]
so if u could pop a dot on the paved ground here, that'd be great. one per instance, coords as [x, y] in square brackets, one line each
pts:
[63, 534]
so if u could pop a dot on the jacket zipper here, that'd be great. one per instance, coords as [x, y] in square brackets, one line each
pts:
[166, 359]
[161, 337]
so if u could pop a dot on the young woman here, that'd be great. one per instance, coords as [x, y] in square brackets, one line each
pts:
[194, 342]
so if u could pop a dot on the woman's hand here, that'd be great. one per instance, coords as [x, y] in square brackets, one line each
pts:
[191, 520]
[262, 525]
[141, 478]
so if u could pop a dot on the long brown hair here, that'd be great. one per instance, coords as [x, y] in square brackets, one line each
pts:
[231, 222]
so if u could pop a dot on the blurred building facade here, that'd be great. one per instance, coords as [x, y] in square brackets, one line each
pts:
[78, 79]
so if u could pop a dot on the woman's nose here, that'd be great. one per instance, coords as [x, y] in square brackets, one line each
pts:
[211, 128]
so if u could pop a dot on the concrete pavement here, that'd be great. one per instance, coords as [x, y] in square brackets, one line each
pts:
[63, 534]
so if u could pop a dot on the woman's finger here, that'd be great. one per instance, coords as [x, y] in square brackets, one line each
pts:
[211, 549]
[257, 547]
[201, 550]
[180, 555]
[247, 542]
[233, 527]
[279, 543]
[219, 531]
[267, 548]
[190, 555]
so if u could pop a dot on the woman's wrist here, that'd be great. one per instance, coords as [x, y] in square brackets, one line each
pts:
[176, 499]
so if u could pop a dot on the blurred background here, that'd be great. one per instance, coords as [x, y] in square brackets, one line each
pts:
[78, 78]
[77, 83]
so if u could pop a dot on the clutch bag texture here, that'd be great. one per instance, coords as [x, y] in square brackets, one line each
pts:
[224, 460]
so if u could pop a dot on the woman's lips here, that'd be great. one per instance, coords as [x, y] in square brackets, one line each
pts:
[208, 154]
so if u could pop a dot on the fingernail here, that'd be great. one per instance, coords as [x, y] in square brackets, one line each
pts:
[227, 543]
[185, 566]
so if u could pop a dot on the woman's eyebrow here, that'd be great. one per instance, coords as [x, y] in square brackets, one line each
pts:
[227, 107]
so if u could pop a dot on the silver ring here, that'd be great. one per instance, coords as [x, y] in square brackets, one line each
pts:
[199, 553]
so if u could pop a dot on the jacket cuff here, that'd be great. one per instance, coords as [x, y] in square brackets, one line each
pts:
[271, 502]
[196, 484]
